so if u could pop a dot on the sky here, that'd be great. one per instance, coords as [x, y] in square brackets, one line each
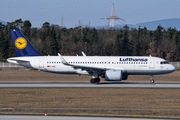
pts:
[87, 12]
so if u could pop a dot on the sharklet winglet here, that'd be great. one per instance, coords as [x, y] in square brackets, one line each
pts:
[83, 53]
[63, 60]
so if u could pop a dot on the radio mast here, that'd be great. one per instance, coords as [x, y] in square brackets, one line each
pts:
[113, 17]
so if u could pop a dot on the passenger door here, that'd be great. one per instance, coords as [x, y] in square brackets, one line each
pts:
[41, 63]
[151, 63]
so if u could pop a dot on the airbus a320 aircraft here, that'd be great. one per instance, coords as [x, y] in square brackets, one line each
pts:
[112, 68]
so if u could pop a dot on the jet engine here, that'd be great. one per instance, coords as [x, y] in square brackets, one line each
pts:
[113, 75]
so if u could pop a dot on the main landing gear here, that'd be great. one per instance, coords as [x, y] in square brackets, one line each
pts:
[95, 80]
[151, 79]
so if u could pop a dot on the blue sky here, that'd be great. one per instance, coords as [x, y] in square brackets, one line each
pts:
[85, 11]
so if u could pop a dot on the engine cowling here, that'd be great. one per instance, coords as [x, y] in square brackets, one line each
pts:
[113, 75]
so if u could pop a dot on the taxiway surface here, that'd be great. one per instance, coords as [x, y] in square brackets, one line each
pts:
[87, 85]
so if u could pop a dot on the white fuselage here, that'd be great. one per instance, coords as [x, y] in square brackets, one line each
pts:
[130, 65]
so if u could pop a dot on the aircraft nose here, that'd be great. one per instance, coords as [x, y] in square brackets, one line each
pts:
[172, 68]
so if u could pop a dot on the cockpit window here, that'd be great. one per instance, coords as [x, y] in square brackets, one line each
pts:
[164, 62]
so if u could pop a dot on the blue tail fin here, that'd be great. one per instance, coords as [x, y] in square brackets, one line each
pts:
[22, 46]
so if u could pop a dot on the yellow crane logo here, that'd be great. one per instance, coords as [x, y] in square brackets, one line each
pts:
[20, 43]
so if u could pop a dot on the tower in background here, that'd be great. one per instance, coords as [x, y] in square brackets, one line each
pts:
[113, 18]
[62, 25]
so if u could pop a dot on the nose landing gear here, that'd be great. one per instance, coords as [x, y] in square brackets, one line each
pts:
[151, 79]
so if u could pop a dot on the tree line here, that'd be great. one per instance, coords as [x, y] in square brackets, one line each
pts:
[125, 41]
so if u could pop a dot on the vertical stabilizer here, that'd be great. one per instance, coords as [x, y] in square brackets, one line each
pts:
[22, 46]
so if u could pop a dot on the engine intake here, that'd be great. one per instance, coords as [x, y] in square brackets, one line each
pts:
[113, 75]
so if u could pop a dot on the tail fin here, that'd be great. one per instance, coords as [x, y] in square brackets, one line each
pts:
[22, 46]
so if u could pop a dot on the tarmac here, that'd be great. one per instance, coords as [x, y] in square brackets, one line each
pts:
[26, 117]
[88, 85]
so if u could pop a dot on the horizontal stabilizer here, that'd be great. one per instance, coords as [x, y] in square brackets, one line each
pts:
[11, 59]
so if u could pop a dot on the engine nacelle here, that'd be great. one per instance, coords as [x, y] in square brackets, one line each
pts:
[113, 75]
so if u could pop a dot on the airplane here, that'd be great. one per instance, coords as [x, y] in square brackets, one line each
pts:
[112, 68]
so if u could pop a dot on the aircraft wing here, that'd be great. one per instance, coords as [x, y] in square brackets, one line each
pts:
[89, 69]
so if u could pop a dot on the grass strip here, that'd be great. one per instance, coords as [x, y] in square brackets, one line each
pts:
[95, 101]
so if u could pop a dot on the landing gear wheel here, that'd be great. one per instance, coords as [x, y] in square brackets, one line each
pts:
[152, 81]
[95, 80]
[92, 80]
